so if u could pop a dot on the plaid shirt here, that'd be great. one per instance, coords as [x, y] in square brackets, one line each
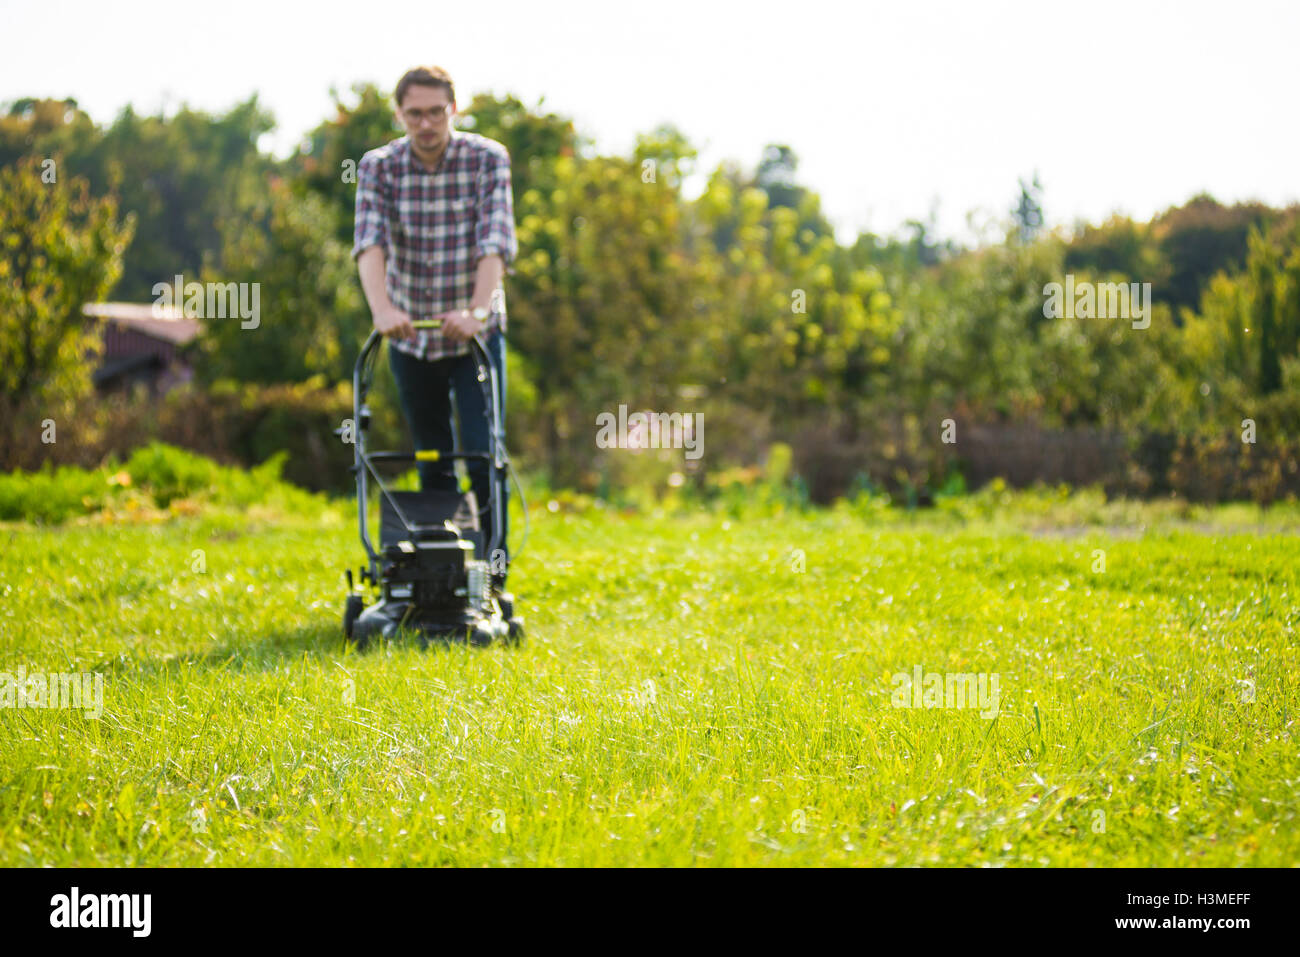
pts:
[435, 227]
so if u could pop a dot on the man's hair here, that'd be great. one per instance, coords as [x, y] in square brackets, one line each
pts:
[424, 76]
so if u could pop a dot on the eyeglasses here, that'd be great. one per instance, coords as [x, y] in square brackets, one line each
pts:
[415, 117]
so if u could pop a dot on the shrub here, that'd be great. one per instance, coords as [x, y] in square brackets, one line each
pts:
[170, 473]
[52, 495]
[156, 475]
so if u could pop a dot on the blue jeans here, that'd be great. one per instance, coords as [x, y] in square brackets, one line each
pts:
[425, 388]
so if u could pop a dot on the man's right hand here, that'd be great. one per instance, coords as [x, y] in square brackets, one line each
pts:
[395, 324]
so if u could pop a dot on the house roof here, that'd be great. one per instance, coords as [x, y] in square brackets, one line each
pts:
[160, 322]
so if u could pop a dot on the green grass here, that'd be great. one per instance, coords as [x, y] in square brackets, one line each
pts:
[687, 695]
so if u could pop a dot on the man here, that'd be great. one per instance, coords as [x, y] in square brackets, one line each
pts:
[434, 232]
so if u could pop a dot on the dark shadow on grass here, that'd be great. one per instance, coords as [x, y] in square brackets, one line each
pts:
[318, 642]
[262, 653]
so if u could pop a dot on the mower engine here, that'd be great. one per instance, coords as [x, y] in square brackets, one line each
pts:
[430, 575]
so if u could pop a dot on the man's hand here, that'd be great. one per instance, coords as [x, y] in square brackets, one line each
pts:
[394, 323]
[459, 326]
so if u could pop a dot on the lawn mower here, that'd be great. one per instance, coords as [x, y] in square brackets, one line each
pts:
[432, 572]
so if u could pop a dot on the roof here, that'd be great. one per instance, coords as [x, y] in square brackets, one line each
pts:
[160, 322]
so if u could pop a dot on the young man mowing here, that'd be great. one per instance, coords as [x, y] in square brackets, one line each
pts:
[435, 230]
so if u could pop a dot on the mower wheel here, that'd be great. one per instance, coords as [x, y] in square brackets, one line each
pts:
[481, 634]
[516, 633]
[351, 611]
[506, 602]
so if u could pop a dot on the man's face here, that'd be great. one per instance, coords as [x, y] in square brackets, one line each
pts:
[425, 114]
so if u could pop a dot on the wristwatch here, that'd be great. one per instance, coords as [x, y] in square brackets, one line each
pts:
[481, 313]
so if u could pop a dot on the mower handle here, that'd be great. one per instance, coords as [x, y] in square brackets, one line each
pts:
[375, 337]
[361, 459]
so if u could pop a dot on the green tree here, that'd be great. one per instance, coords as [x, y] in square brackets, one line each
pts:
[534, 140]
[174, 174]
[27, 124]
[604, 302]
[1118, 245]
[61, 248]
[1028, 211]
[311, 319]
[1200, 238]
[1265, 277]
[326, 162]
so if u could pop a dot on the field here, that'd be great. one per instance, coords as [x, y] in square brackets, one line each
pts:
[698, 687]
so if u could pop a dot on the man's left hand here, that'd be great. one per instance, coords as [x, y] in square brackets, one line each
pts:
[459, 326]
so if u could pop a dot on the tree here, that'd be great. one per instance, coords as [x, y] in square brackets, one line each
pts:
[1200, 238]
[534, 140]
[1264, 280]
[606, 305]
[1028, 211]
[1118, 245]
[28, 123]
[61, 248]
[174, 174]
[311, 317]
[326, 163]
[777, 176]
[670, 152]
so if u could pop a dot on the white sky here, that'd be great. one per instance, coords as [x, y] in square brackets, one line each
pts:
[892, 107]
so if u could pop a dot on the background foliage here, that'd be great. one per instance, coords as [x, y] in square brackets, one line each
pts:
[738, 304]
